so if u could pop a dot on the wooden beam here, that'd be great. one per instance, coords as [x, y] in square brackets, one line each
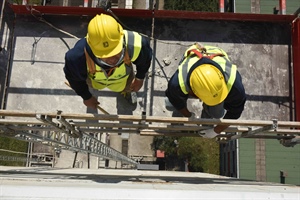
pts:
[83, 123]
[153, 119]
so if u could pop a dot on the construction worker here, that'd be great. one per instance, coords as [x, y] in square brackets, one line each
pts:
[103, 59]
[206, 73]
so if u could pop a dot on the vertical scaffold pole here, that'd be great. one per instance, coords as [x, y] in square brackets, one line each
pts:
[86, 3]
[221, 6]
[282, 7]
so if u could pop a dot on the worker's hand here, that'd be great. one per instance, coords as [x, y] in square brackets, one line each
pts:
[136, 84]
[91, 102]
[208, 133]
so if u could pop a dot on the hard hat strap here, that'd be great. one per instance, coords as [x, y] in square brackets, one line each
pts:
[90, 62]
[92, 67]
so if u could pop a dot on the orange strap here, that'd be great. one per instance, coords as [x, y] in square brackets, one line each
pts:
[127, 59]
[200, 55]
[203, 50]
[91, 63]
[110, 70]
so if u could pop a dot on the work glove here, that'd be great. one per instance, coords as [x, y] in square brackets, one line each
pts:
[168, 105]
[208, 133]
[193, 116]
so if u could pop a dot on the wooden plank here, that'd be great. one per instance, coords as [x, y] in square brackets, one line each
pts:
[189, 131]
[147, 125]
[94, 127]
[16, 122]
[152, 119]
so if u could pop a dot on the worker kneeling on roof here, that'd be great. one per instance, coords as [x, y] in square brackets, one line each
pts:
[206, 72]
[103, 59]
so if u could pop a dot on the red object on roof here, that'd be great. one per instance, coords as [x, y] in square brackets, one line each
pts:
[160, 154]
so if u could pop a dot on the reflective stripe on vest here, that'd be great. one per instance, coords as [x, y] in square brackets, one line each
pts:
[229, 69]
[118, 78]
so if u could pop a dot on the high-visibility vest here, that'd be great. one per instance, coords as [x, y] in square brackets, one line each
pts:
[192, 56]
[116, 81]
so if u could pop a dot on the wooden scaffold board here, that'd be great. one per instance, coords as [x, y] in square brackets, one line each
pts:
[75, 124]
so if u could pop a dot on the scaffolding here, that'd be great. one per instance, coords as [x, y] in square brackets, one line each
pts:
[75, 131]
[58, 131]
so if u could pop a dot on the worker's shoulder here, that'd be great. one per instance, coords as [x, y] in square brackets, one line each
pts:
[80, 44]
[143, 36]
[78, 49]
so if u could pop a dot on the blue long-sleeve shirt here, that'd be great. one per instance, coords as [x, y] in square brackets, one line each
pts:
[233, 103]
[75, 68]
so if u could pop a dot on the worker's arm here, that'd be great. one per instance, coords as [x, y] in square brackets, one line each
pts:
[143, 61]
[176, 97]
[75, 69]
[185, 112]
[136, 84]
[234, 106]
[234, 103]
[142, 64]
[220, 128]
[236, 99]
[213, 132]
[91, 102]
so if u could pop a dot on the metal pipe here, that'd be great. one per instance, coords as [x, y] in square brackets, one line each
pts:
[296, 65]
[221, 6]
[86, 3]
[237, 159]
[75, 158]
[282, 7]
[163, 14]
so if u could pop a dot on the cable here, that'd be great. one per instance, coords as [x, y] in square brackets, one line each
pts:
[33, 154]
[40, 18]
[10, 151]
[106, 5]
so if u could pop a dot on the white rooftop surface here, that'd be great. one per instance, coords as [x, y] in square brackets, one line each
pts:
[51, 183]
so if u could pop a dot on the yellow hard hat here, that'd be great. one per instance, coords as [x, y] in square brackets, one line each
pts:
[208, 84]
[105, 36]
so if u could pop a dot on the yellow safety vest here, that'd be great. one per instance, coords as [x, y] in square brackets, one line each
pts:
[214, 53]
[116, 81]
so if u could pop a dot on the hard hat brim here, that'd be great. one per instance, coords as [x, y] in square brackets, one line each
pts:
[212, 101]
